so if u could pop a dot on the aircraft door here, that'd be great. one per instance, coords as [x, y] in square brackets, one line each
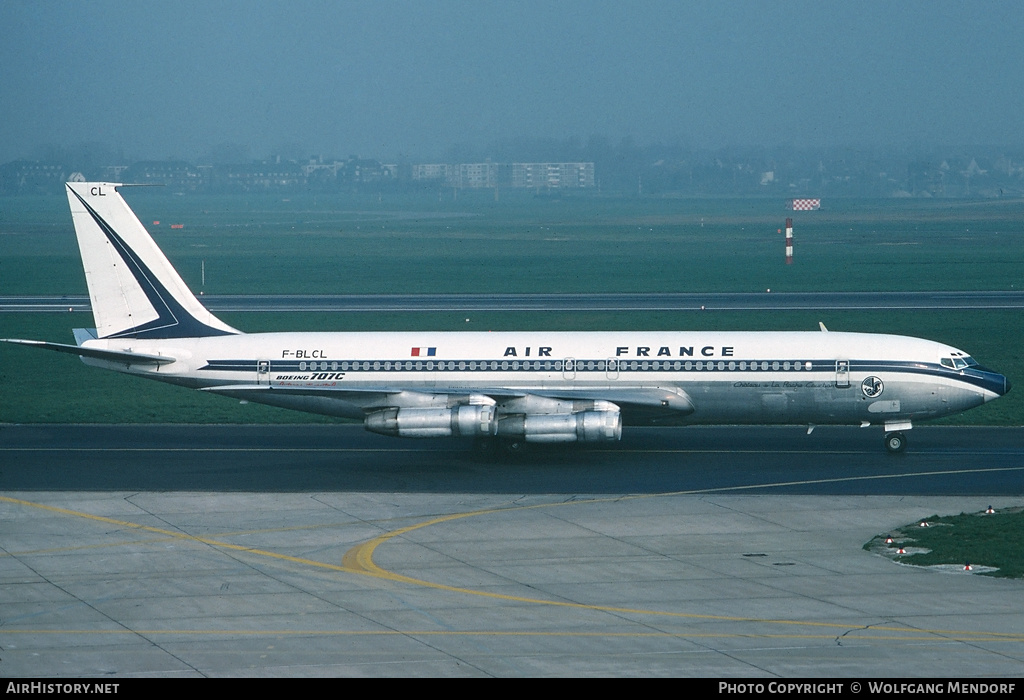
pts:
[612, 368]
[842, 374]
[262, 371]
[569, 368]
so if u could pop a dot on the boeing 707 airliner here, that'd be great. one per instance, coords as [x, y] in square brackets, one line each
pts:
[506, 388]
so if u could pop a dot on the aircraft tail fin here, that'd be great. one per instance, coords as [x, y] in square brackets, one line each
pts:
[135, 292]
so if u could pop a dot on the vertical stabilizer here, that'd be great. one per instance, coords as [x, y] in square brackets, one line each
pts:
[135, 292]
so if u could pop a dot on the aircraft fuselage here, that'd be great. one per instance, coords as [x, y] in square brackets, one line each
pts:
[717, 377]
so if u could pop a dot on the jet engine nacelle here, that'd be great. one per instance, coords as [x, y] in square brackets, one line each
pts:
[473, 421]
[584, 426]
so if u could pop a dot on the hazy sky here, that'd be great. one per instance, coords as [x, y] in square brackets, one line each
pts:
[380, 79]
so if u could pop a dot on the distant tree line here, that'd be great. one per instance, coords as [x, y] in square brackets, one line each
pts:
[623, 167]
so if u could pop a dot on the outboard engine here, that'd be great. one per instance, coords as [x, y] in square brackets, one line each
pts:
[472, 421]
[592, 421]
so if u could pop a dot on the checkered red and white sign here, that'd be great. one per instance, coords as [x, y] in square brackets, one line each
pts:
[804, 204]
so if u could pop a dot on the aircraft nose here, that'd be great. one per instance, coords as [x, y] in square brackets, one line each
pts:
[995, 382]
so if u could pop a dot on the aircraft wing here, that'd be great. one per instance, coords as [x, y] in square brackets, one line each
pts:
[671, 399]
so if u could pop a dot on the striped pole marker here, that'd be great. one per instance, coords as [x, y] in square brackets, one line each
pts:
[789, 241]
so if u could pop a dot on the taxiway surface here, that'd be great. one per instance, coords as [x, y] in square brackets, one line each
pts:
[324, 550]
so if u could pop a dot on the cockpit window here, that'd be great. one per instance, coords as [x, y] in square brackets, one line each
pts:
[958, 361]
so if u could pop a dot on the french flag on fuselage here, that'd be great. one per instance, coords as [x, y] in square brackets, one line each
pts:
[424, 352]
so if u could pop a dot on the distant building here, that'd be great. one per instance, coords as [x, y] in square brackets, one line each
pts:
[32, 176]
[365, 170]
[317, 168]
[981, 172]
[477, 175]
[553, 175]
[431, 171]
[112, 173]
[259, 176]
[515, 175]
[175, 174]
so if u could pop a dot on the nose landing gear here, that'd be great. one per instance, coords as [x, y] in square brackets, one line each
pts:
[895, 442]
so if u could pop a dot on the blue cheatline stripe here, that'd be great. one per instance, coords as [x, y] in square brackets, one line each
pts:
[986, 380]
[172, 321]
[584, 365]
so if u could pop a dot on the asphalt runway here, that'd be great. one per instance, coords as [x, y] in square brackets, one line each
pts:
[181, 551]
[283, 458]
[774, 301]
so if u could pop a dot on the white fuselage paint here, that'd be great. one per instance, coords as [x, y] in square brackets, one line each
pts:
[720, 377]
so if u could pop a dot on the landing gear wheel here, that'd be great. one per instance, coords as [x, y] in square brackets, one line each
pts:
[895, 442]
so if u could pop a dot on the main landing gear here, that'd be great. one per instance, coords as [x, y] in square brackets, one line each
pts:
[895, 442]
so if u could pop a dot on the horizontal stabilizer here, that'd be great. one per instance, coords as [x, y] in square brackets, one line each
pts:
[126, 357]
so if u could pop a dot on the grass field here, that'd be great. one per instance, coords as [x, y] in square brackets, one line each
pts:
[979, 539]
[350, 244]
[361, 245]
